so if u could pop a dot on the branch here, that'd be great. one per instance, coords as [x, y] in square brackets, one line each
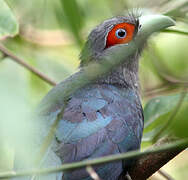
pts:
[150, 161]
[148, 165]
[20, 61]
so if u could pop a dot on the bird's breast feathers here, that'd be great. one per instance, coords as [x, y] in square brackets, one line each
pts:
[96, 115]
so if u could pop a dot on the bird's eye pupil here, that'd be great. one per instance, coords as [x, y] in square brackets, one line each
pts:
[121, 33]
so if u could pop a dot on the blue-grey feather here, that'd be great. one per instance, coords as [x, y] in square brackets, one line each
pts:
[107, 120]
[72, 132]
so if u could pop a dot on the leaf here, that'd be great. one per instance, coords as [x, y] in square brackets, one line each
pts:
[159, 115]
[180, 125]
[74, 18]
[8, 22]
[177, 10]
[14, 110]
[155, 127]
[160, 106]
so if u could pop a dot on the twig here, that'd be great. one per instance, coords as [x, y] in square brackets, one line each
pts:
[165, 174]
[20, 61]
[159, 90]
[154, 155]
[92, 173]
[172, 79]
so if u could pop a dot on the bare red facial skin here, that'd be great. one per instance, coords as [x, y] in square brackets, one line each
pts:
[112, 39]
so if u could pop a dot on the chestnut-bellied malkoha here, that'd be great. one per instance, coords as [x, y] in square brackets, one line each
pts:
[105, 117]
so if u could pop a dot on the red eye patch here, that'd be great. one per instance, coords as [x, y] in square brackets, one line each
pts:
[120, 34]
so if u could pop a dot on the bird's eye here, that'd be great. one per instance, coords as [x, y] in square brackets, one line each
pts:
[121, 33]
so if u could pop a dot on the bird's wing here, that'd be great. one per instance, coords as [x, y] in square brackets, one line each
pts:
[99, 121]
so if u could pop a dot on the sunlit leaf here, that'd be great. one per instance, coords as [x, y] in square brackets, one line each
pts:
[8, 22]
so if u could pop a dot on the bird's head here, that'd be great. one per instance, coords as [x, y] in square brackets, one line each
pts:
[104, 39]
[109, 34]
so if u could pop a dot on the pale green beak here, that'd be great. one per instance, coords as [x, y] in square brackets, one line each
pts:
[153, 23]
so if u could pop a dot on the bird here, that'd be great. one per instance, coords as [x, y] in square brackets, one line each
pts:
[102, 118]
[105, 117]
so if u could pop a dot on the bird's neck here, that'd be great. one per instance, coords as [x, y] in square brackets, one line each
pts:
[125, 76]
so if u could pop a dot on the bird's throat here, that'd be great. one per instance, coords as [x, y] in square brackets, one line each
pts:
[124, 76]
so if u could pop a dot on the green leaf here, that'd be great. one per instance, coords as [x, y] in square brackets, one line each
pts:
[161, 113]
[180, 125]
[74, 18]
[155, 127]
[160, 106]
[8, 22]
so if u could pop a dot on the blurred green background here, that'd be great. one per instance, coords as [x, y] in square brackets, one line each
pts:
[50, 38]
